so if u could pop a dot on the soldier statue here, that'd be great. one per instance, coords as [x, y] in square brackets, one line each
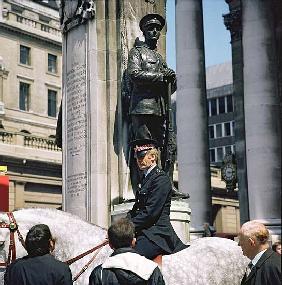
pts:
[152, 82]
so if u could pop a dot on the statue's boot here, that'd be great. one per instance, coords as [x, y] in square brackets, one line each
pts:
[176, 194]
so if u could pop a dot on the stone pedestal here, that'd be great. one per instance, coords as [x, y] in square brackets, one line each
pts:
[192, 136]
[179, 216]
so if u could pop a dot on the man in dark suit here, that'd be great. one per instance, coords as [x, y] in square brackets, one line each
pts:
[151, 211]
[265, 265]
[39, 266]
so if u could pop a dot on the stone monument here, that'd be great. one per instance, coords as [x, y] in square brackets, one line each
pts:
[97, 38]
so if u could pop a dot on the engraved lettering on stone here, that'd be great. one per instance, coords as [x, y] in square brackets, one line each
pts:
[76, 102]
[76, 184]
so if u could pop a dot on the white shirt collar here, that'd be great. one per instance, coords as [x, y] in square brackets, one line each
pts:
[147, 171]
[258, 256]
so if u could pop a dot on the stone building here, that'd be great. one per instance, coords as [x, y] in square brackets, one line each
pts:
[220, 111]
[255, 27]
[225, 216]
[30, 93]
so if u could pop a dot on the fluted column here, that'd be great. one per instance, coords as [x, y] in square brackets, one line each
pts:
[262, 112]
[233, 22]
[192, 138]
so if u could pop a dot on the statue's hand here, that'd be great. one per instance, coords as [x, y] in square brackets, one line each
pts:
[169, 75]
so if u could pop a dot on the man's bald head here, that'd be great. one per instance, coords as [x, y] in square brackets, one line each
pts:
[256, 230]
[253, 238]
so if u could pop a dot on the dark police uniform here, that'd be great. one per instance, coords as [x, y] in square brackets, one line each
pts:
[150, 216]
[43, 270]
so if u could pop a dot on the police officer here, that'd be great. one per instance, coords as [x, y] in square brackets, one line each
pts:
[151, 211]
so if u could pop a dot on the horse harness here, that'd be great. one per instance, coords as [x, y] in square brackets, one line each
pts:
[13, 227]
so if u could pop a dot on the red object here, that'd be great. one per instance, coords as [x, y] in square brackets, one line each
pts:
[4, 193]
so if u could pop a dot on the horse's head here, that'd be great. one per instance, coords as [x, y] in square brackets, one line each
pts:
[4, 232]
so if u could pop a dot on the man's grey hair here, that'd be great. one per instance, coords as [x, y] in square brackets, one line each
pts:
[255, 229]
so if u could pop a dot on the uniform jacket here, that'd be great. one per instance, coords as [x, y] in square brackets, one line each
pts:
[151, 211]
[39, 270]
[145, 67]
[267, 271]
[126, 267]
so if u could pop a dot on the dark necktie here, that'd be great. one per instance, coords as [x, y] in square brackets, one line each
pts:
[249, 268]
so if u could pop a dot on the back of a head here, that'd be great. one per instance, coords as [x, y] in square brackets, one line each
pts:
[38, 240]
[254, 229]
[121, 233]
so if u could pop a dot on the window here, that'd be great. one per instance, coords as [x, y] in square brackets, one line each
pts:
[213, 107]
[24, 96]
[24, 55]
[229, 103]
[221, 104]
[227, 129]
[218, 130]
[211, 132]
[228, 149]
[52, 103]
[219, 154]
[52, 63]
[212, 155]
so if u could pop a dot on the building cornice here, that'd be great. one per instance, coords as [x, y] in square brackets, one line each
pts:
[19, 31]
[233, 23]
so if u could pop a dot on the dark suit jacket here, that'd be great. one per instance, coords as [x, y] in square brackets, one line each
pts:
[267, 271]
[150, 213]
[39, 270]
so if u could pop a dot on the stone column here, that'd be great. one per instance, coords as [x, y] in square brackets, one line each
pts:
[192, 136]
[3, 76]
[262, 113]
[233, 22]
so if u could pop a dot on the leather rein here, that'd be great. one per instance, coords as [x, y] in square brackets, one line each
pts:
[13, 227]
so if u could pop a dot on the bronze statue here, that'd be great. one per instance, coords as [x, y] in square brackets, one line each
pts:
[152, 84]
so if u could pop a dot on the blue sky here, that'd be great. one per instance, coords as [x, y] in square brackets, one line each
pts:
[217, 38]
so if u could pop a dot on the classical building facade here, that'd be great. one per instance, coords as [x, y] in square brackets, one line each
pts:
[256, 38]
[220, 112]
[30, 94]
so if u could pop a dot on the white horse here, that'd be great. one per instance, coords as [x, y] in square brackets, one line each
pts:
[207, 261]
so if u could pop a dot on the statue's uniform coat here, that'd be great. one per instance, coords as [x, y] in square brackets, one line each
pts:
[150, 213]
[145, 70]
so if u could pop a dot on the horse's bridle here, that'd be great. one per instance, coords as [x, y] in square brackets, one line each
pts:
[13, 227]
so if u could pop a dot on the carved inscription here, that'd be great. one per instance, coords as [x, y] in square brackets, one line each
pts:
[76, 184]
[76, 102]
[76, 130]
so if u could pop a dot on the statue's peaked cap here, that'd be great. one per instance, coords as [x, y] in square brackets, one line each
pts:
[151, 19]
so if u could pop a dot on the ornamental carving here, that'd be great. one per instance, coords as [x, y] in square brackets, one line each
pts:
[233, 23]
[75, 12]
